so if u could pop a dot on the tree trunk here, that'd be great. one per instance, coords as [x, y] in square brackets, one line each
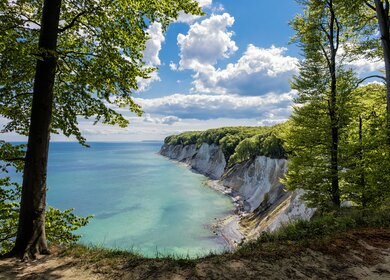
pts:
[362, 178]
[333, 112]
[384, 25]
[31, 237]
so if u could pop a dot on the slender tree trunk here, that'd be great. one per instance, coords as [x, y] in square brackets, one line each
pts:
[362, 179]
[31, 237]
[384, 27]
[333, 112]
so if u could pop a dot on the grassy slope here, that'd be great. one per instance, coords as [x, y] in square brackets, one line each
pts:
[326, 247]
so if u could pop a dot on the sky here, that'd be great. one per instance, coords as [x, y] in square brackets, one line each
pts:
[231, 67]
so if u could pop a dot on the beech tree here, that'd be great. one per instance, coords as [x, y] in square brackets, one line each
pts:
[318, 119]
[61, 60]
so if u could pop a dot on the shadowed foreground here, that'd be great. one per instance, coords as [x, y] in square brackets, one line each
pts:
[363, 254]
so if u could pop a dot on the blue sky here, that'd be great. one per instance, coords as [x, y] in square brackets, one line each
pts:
[258, 22]
[231, 67]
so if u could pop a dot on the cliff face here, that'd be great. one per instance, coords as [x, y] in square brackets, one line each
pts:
[254, 185]
[208, 159]
[256, 180]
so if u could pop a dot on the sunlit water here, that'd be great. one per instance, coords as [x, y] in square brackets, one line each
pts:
[140, 200]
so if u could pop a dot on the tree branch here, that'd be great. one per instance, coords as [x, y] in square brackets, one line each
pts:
[370, 77]
[325, 31]
[18, 95]
[7, 237]
[370, 6]
[337, 34]
[325, 54]
[14, 159]
[72, 23]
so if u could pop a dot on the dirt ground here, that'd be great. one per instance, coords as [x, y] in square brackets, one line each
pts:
[363, 254]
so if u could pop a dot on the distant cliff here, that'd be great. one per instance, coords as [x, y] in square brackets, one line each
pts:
[254, 184]
[207, 159]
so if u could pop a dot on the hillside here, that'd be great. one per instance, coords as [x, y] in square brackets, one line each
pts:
[362, 254]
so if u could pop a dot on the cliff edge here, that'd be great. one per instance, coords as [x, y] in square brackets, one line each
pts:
[261, 200]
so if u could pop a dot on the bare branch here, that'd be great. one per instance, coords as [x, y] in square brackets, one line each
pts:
[325, 54]
[72, 23]
[370, 77]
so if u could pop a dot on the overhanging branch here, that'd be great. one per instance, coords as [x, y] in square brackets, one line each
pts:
[371, 77]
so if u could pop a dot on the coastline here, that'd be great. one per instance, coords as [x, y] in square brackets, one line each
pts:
[227, 228]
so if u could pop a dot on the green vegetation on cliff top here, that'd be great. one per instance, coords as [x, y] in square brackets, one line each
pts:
[237, 143]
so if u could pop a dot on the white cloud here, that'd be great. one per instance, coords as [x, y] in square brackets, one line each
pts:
[205, 3]
[257, 72]
[272, 106]
[206, 42]
[218, 8]
[169, 120]
[173, 66]
[153, 45]
[144, 84]
[151, 54]
[362, 64]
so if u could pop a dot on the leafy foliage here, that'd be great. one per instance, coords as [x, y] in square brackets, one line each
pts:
[60, 225]
[320, 114]
[237, 143]
[366, 152]
[100, 58]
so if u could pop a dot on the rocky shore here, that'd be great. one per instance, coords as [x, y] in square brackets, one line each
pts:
[261, 201]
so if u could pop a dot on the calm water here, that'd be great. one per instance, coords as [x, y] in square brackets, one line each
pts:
[139, 200]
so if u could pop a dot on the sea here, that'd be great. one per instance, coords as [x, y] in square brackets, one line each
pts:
[140, 201]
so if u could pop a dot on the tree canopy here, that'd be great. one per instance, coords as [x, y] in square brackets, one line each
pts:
[100, 58]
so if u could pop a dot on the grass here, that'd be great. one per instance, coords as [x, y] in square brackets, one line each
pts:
[321, 228]
[336, 234]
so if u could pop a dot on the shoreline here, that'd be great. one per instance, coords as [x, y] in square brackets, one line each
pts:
[227, 228]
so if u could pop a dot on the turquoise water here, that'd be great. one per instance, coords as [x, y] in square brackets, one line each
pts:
[140, 200]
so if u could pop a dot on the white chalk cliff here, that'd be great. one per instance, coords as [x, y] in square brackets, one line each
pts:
[254, 185]
[208, 159]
